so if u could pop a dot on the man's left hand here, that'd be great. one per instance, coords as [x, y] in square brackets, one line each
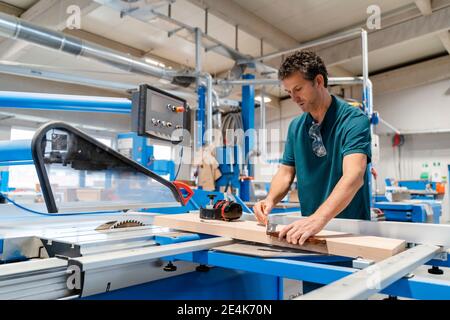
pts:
[299, 231]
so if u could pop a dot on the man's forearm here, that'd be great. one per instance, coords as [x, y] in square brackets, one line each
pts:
[279, 187]
[340, 198]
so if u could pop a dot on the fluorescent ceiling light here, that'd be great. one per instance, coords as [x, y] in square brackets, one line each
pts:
[266, 99]
[155, 63]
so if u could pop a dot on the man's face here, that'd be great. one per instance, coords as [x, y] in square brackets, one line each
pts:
[303, 92]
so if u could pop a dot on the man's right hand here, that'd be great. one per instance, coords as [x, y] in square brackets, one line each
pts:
[262, 209]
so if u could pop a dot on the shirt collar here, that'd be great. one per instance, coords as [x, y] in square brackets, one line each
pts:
[330, 115]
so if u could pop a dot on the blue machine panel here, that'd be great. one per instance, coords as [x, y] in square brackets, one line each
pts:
[228, 159]
[407, 212]
[215, 284]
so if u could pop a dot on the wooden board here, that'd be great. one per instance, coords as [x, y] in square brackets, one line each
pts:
[328, 242]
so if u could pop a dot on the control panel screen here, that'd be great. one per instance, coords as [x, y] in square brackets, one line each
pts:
[159, 115]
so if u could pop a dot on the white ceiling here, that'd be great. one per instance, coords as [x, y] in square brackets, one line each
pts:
[301, 19]
[310, 19]
[23, 4]
[406, 52]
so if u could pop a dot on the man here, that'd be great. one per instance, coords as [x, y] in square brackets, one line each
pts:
[328, 148]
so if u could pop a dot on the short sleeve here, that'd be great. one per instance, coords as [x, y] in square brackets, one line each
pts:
[288, 155]
[357, 136]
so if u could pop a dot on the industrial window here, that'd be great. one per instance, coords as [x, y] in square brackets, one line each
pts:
[161, 152]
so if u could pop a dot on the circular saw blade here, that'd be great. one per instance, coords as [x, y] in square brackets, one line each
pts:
[120, 224]
[127, 224]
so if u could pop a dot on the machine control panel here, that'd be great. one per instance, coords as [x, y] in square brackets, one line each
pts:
[157, 114]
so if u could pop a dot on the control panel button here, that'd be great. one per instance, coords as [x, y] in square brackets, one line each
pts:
[177, 109]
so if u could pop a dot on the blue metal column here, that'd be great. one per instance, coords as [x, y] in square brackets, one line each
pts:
[200, 117]
[367, 103]
[4, 181]
[248, 120]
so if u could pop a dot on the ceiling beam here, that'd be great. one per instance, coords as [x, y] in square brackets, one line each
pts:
[10, 9]
[233, 13]
[111, 44]
[445, 39]
[337, 71]
[424, 7]
[54, 11]
[47, 13]
[412, 76]
[437, 22]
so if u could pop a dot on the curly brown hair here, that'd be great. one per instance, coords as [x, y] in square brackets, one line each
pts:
[306, 62]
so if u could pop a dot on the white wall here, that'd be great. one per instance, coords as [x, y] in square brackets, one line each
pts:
[424, 108]
[421, 109]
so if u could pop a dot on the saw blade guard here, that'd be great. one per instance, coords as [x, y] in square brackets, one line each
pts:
[77, 171]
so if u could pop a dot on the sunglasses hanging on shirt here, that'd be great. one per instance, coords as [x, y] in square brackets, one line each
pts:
[317, 143]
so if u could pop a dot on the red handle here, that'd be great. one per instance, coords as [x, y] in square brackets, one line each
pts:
[181, 185]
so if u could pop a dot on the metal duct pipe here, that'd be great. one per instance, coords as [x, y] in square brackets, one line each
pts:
[209, 108]
[275, 82]
[16, 28]
[212, 99]
[248, 82]
[198, 48]
[365, 62]
[332, 38]
[345, 80]
[216, 99]
[58, 76]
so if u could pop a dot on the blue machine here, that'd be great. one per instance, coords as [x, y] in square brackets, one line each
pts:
[417, 185]
[409, 212]
[137, 148]
[228, 159]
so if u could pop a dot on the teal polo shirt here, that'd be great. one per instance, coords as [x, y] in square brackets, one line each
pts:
[345, 130]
